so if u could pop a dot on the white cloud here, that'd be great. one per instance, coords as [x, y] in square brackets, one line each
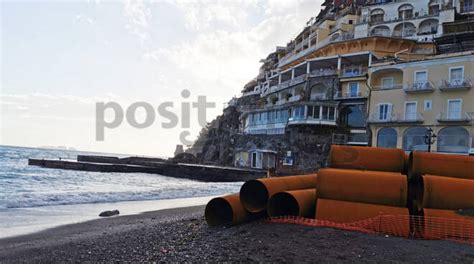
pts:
[138, 15]
[205, 14]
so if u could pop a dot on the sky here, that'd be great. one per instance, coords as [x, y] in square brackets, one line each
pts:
[60, 58]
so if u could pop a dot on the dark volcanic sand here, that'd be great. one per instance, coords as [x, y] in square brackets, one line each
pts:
[178, 235]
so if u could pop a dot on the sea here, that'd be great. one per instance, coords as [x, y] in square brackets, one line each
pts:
[34, 198]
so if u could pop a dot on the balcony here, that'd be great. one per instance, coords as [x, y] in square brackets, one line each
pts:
[419, 87]
[299, 79]
[311, 121]
[353, 72]
[318, 96]
[396, 118]
[294, 98]
[455, 117]
[322, 72]
[455, 85]
[388, 87]
[347, 96]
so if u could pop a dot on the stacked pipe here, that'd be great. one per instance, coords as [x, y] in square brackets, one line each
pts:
[291, 195]
[362, 183]
[446, 193]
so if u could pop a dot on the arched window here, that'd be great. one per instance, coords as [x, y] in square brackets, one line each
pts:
[380, 31]
[414, 139]
[377, 15]
[404, 29]
[428, 26]
[387, 138]
[405, 11]
[351, 116]
[453, 140]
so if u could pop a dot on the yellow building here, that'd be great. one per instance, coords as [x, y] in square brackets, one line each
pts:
[410, 97]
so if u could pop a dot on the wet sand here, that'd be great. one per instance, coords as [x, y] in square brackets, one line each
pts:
[178, 235]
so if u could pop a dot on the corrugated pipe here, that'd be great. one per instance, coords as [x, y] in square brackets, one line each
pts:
[446, 224]
[367, 158]
[374, 187]
[455, 166]
[297, 203]
[447, 193]
[255, 194]
[350, 212]
[227, 210]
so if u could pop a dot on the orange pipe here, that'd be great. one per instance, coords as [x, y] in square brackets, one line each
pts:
[455, 166]
[297, 203]
[367, 158]
[227, 210]
[349, 212]
[442, 224]
[447, 193]
[254, 194]
[375, 187]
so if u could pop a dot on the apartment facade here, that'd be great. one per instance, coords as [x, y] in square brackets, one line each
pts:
[409, 98]
[369, 73]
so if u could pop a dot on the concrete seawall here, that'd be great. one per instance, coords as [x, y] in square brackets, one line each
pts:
[188, 171]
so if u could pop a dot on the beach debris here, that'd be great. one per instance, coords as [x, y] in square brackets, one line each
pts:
[109, 213]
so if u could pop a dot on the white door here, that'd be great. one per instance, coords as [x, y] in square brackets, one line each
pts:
[420, 79]
[456, 76]
[454, 109]
[410, 111]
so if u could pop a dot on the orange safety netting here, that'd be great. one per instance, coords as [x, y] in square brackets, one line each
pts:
[433, 228]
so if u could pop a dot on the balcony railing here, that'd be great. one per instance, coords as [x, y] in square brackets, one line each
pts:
[404, 33]
[419, 87]
[298, 79]
[396, 118]
[341, 96]
[379, 34]
[322, 72]
[294, 98]
[316, 97]
[455, 84]
[454, 117]
[354, 72]
[387, 87]
[300, 120]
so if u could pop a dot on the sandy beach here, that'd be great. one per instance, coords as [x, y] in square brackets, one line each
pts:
[177, 235]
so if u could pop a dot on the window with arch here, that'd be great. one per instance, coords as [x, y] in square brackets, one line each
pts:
[453, 140]
[414, 139]
[387, 138]
[405, 11]
[377, 15]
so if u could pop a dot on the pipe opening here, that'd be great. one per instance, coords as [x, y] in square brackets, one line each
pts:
[254, 196]
[219, 212]
[283, 204]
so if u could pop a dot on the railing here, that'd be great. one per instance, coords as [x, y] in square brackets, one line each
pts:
[396, 118]
[341, 95]
[322, 72]
[388, 87]
[298, 79]
[294, 98]
[454, 117]
[455, 84]
[355, 72]
[404, 33]
[296, 55]
[251, 93]
[419, 87]
[379, 34]
[315, 97]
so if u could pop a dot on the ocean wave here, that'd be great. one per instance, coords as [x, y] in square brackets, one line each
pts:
[29, 186]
